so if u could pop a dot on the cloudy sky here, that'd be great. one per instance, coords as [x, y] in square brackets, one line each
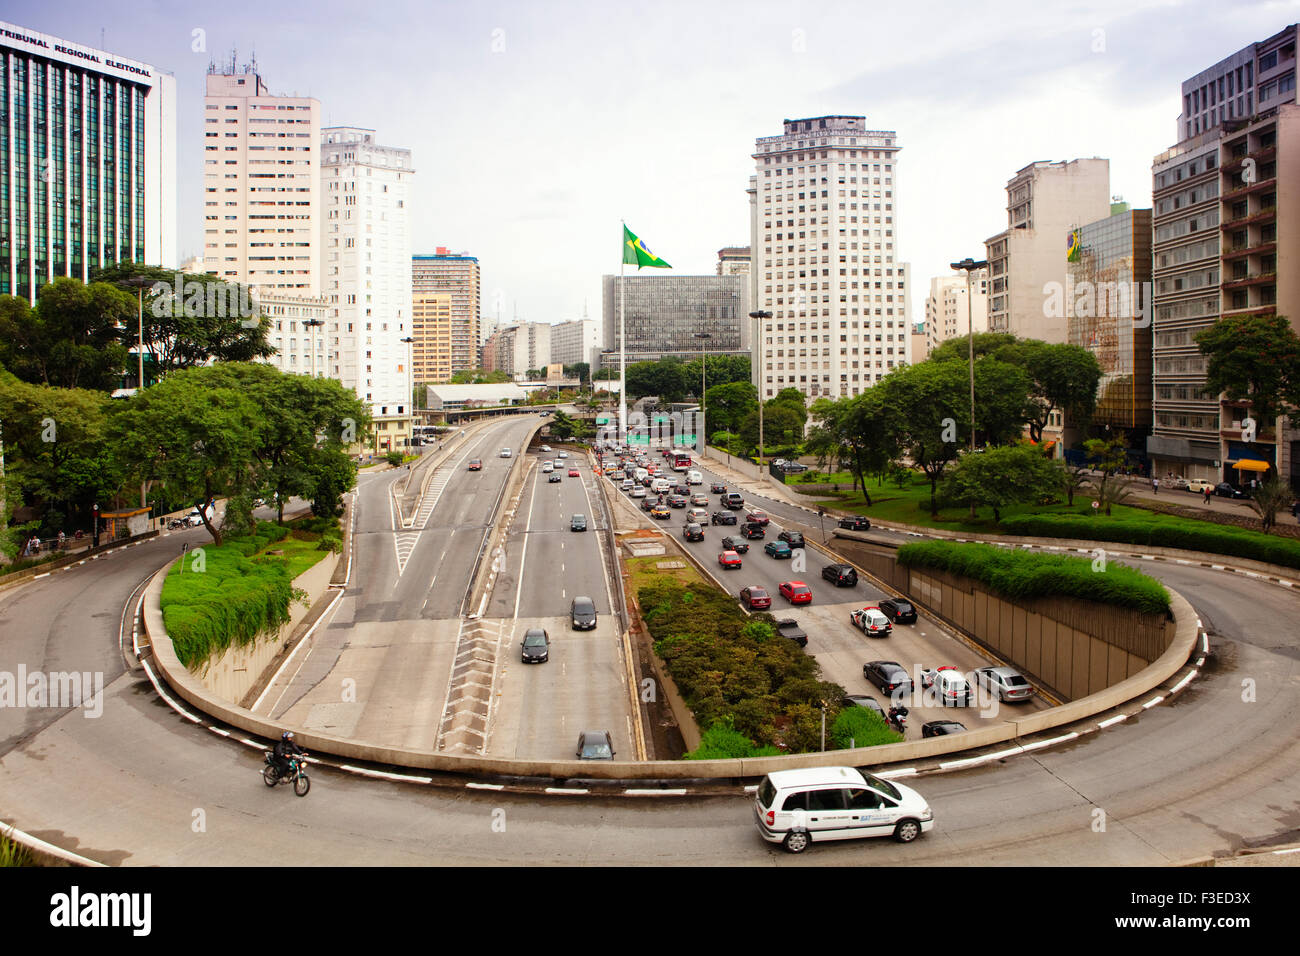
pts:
[537, 126]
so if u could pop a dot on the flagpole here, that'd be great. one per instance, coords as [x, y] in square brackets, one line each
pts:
[622, 347]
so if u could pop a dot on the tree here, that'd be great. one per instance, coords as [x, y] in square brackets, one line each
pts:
[1254, 358]
[664, 379]
[1269, 498]
[477, 376]
[579, 370]
[1109, 455]
[1001, 397]
[1073, 478]
[727, 404]
[854, 431]
[605, 375]
[1061, 377]
[926, 407]
[1002, 476]
[191, 320]
[957, 349]
[72, 339]
[782, 425]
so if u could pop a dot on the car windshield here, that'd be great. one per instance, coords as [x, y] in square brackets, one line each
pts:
[535, 639]
[584, 607]
[757, 593]
[592, 747]
[882, 786]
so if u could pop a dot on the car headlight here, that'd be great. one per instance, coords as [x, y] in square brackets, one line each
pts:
[928, 814]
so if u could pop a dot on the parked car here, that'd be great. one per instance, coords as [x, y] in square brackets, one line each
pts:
[889, 676]
[755, 598]
[789, 627]
[692, 532]
[816, 804]
[841, 575]
[595, 745]
[871, 621]
[729, 559]
[1006, 682]
[723, 517]
[1199, 485]
[776, 549]
[475, 464]
[898, 610]
[1177, 482]
[796, 592]
[757, 517]
[733, 543]
[793, 538]
[941, 728]
[578, 523]
[855, 523]
[583, 613]
[1225, 490]
[536, 646]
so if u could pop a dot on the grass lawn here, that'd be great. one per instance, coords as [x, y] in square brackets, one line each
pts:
[645, 570]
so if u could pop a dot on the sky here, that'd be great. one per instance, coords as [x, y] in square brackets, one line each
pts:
[537, 127]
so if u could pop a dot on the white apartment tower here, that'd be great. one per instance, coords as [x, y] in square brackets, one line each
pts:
[366, 273]
[260, 184]
[946, 308]
[825, 257]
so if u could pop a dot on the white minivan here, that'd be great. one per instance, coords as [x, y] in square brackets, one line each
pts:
[800, 807]
[661, 486]
[694, 478]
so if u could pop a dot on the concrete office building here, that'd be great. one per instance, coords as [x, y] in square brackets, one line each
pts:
[261, 184]
[1045, 201]
[446, 296]
[300, 347]
[1226, 243]
[366, 274]
[87, 161]
[576, 341]
[734, 260]
[663, 313]
[946, 308]
[824, 219]
[518, 349]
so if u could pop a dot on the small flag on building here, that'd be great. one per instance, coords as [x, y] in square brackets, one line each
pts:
[1072, 246]
[636, 253]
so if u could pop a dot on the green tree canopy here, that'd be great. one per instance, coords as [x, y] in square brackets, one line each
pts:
[1061, 377]
[73, 338]
[726, 405]
[999, 477]
[1254, 358]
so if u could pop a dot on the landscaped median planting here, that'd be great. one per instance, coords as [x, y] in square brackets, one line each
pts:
[735, 670]
[1165, 533]
[218, 597]
[1017, 574]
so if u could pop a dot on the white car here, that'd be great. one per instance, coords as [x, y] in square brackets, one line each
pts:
[638, 491]
[547, 468]
[564, 454]
[505, 452]
[816, 804]
[951, 689]
[872, 621]
[629, 485]
[694, 478]
[546, 448]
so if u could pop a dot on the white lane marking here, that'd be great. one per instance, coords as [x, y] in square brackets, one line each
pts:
[484, 786]
[656, 793]
[385, 775]
[175, 705]
[523, 554]
[573, 790]
[1110, 722]
[1151, 703]
[1182, 683]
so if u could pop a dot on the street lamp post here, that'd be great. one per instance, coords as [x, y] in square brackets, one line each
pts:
[139, 283]
[410, 382]
[312, 325]
[760, 316]
[969, 265]
[702, 432]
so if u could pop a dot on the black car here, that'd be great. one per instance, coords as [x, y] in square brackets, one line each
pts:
[792, 538]
[554, 477]
[717, 489]
[898, 610]
[941, 728]
[790, 628]
[1225, 490]
[682, 489]
[733, 500]
[595, 745]
[889, 676]
[648, 503]
[692, 532]
[578, 523]
[753, 532]
[583, 613]
[840, 575]
[723, 517]
[678, 501]
[732, 543]
[863, 700]
[855, 523]
[536, 648]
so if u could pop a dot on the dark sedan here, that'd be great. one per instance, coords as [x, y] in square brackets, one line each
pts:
[755, 532]
[723, 517]
[840, 575]
[717, 489]
[583, 613]
[1225, 490]
[678, 501]
[855, 523]
[889, 676]
[536, 648]
[863, 700]
[898, 610]
[733, 543]
[595, 745]
[793, 538]
[941, 728]
[693, 532]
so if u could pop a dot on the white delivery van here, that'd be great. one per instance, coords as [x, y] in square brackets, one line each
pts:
[661, 486]
[694, 478]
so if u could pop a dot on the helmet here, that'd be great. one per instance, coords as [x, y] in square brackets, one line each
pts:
[287, 735]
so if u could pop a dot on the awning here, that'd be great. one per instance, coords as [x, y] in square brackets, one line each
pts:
[1250, 464]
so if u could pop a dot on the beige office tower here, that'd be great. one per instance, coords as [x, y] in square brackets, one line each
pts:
[946, 308]
[445, 293]
[261, 182]
[825, 257]
[1045, 202]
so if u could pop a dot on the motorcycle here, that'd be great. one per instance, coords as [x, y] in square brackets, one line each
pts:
[301, 782]
[897, 720]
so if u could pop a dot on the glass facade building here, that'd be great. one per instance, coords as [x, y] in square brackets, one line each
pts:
[1109, 299]
[87, 161]
[663, 314]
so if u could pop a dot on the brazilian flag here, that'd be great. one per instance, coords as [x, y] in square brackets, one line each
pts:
[636, 253]
[1072, 246]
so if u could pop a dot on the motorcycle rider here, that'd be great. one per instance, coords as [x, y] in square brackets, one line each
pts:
[285, 749]
[897, 713]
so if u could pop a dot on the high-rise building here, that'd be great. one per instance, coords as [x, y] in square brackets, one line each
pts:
[1226, 242]
[87, 161]
[824, 217]
[1108, 312]
[1045, 202]
[576, 341]
[366, 273]
[261, 184]
[946, 308]
[734, 260]
[445, 292]
[663, 314]
[518, 349]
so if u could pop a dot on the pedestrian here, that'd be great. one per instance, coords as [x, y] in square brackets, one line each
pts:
[62, 539]
[1207, 495]
[1155, 486]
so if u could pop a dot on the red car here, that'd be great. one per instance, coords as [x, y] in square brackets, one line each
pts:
[755, 598]
[573, 473]
[475, 465]
[729, 559]
[757, 517]
[796, 592]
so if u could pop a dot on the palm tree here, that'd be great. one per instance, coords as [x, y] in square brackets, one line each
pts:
[1269, 498]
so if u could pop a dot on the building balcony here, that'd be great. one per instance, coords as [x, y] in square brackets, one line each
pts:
[1243, 282]
[1250, 310]
[1235, 165]
[1238, 252]
[1268, 214]
[1248, 189]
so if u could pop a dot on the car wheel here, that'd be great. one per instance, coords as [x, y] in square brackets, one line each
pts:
[907, 831]
[796, 841]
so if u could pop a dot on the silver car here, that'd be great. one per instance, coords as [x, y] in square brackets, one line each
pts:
[1006, 682]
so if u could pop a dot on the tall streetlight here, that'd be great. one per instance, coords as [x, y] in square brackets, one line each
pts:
[410, 382]
[702, 432]
[139, 283]
[969, 265]
[760, 316]
[312, 325]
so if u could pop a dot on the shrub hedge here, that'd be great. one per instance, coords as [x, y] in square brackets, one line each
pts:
[861, 727]
[1215, 539]
[1022, 574]
[735, 670]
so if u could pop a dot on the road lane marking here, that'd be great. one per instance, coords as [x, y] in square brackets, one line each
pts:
[573, 790]
[1110, 722]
